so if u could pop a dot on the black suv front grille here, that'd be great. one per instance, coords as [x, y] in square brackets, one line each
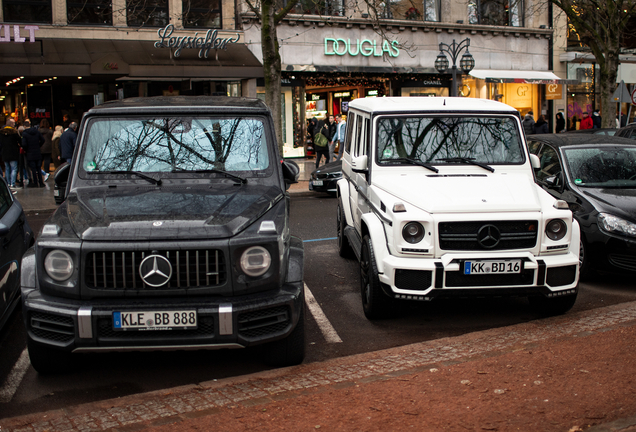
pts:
[488, 235]
[263, 322]
[120, 270]
[52, 327]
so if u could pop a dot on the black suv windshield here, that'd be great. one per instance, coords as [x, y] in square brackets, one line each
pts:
[175, 145]
[447, 140]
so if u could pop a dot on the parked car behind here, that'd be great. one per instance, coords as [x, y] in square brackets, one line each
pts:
[628, 131]
[16, 237]
[325, 178]
[596, 176]
[601, 131]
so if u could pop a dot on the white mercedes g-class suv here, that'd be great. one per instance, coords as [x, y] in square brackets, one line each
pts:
[438, 198]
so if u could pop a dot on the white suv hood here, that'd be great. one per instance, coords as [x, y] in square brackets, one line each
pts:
[452, 193]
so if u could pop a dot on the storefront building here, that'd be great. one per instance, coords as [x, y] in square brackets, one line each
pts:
[61, 57]
[328, 62]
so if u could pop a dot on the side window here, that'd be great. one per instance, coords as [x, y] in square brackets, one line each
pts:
[5, 199]
[356, 150]
[349, 132]
[550, 164]
[367, 137]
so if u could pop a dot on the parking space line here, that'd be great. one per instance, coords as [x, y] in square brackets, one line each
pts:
[324, 325]
[322, 239]
[15, 377]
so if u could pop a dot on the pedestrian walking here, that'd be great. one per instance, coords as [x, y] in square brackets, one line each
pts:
[541, 126]
[341, 128]
[32, 140]
[47, 147]
[587, 122]
[321, 142]
[10, 141]
[560, 122]
[331, 134]
[528, 123]
[55, 145]
[67, 143]
[596, 120]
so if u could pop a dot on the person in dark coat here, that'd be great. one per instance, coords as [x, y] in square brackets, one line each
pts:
[560, 123]
[47, 148]
[32, 140]
[55, 145]
[10, 141]
[67, 143]
[596, 120]
[541, 126]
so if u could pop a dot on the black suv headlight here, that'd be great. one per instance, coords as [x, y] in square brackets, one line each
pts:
[58, 265]
[255, 261]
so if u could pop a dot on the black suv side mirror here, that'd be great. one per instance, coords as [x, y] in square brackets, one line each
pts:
[60, 178]
[291, 171]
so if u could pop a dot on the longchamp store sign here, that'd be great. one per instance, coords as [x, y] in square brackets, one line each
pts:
[203, 44]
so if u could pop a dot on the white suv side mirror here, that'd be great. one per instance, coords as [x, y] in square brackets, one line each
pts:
[535, 161]
[359, 163]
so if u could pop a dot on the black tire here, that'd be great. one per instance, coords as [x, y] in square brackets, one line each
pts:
[344, 247]
[289, 351]
[554, 305]
[375, 304]
[47, 360]
[585, 271]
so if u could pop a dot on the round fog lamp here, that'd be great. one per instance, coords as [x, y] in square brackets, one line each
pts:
[413, 232]
[58, 265]
[556, 229]
[255, 261]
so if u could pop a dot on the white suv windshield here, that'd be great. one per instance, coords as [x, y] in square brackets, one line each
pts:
[439, 140]
[175, 144]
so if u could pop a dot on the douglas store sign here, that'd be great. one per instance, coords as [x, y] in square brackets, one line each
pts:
[365, 47]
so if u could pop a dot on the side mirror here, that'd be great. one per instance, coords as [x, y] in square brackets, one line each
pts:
[535, 161]
[60, 177]
[359, 164]
[553, 182]
[291, 171]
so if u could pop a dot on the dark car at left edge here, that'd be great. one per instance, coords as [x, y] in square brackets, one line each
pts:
[16, 237]
[596, 176]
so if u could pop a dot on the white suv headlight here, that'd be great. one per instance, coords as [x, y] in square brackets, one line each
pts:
[58, 265]
[556, 229]
[614, 224]
[255, 261]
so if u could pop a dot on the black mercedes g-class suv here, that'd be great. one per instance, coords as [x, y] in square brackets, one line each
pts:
[174, 234]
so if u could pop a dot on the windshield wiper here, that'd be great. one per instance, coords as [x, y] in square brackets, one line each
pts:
[215, 171]
[470, 161]
[413, 162]
[137, 173]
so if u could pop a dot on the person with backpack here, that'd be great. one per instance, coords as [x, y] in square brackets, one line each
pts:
[321, 141]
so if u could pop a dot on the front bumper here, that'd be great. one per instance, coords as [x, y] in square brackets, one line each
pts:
[236, 322]
[429, 278]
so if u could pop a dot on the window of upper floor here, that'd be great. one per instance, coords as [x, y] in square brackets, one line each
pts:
[427, 10]
[202, 13]
[28, 11]
[94, 12]
[496, 12]
[147, 13]
[320, 7]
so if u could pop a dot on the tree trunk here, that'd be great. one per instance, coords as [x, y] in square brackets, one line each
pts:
[272, 67]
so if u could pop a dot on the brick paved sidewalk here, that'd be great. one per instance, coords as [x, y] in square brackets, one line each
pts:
[205, 399]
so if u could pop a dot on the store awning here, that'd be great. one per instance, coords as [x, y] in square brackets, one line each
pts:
[520, 76]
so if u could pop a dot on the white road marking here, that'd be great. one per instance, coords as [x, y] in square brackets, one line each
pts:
[324, 325]
[15, 377]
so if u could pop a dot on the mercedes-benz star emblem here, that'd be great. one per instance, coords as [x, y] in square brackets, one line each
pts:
[488, 236]
[155, 270]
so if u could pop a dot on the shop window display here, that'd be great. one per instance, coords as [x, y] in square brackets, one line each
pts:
[27, 11]
[496, 12]
[96, 12]
[147, 13]
[202, 13]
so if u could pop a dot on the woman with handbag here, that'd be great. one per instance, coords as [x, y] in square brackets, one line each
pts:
[321, 142]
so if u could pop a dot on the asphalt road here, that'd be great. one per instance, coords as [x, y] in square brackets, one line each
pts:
[336, 327]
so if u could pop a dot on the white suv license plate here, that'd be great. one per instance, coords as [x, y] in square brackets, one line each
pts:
[478, 267]
[155, 320]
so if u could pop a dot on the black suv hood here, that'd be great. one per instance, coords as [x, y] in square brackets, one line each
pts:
[167, 213]
[619, 202]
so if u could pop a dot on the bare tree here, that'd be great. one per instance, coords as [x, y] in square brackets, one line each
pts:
[601, 25]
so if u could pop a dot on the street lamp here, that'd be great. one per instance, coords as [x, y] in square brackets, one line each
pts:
[467, 62]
